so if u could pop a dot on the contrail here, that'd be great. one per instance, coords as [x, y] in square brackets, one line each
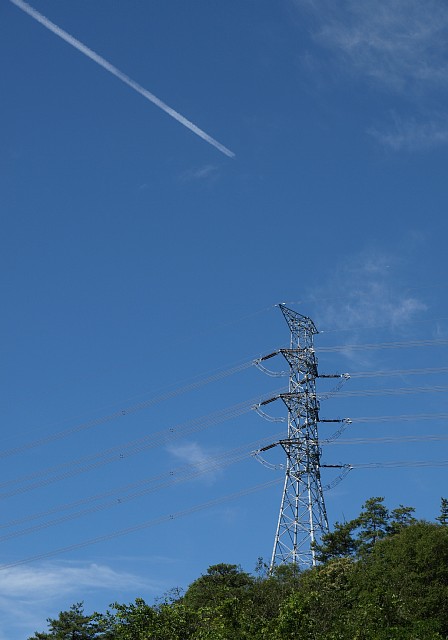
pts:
[120, 75]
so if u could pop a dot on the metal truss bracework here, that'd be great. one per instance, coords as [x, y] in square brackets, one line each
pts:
[302, 519]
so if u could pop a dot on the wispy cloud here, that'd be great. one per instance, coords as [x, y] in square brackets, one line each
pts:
[199, 457]
[410, 134]
[82, 48]
[368, 295]
[53, 580]
[398, 43]
[396, 46]
[205, 172]
[364, 293]
[29, 594]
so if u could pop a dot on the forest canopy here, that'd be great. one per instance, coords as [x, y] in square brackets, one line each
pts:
[381, 576]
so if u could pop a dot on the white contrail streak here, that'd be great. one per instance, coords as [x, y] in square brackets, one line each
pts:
[120, 75]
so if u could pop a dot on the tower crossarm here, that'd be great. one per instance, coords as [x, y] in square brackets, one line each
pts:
[336, 466]
[303, 409]
[269, 400]
[346, 376]
[303, 359]
[268, 356]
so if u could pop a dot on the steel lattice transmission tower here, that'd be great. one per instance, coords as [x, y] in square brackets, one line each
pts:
[302, 519]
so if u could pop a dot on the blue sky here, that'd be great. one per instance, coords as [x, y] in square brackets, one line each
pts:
[138, 259]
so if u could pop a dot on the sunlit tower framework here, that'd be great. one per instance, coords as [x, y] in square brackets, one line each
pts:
[303, 518]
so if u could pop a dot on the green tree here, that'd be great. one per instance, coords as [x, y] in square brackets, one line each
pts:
[338, 543]
[443, 517]
[318, 609]
[168, 620]
[399, 518]
[266, 596]
[130, 621]
[396, 591]
[373, 523]
[72, 625]
[360, 534]
[220, 582]
[219, 599]
[402, 584]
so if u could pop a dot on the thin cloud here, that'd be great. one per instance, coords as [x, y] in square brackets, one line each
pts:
[198, 457]
[363, 294]
[29, 594]
[54, 580]
[206, 172]
[51, 26]
[398, 44]
[398, 47]
[368, 296]
[413, 135]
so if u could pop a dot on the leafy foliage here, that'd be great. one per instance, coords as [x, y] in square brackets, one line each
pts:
[358, 536]
[443, 517]
[72, 625]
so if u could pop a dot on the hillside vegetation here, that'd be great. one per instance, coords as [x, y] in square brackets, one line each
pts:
[383, 576]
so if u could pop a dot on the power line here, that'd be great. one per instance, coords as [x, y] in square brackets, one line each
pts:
[382, 326]
[125, 450]
[88, 463]
[408, 417]
[184, 474]
[144, 525]
[387, 391]
[138, 489]
[388, 439]
[191, 386]
[385, 345]
[203, 506]
[387, 465]
[398, 372]
[211, 464]
[128, 410]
